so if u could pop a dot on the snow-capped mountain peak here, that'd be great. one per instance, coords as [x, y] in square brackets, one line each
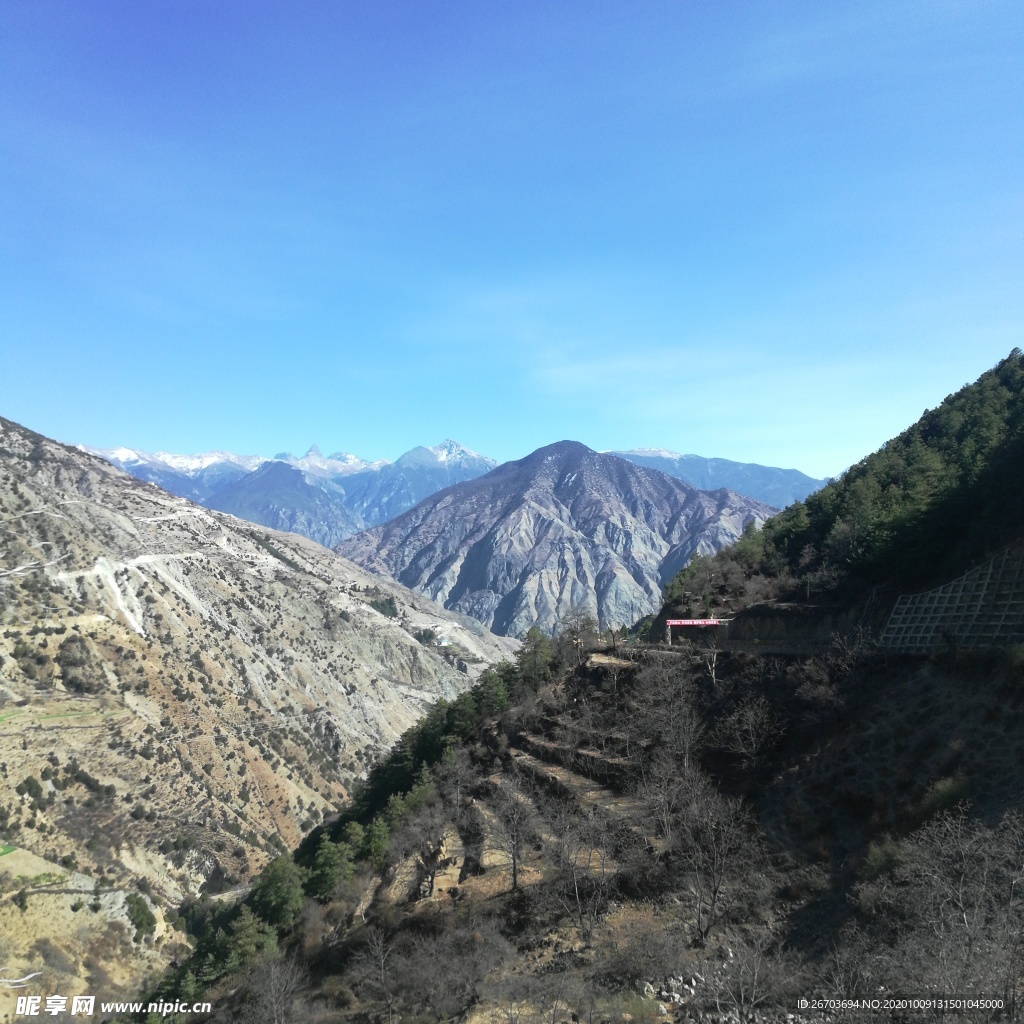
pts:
[449, 449]
[338, 464]
[196, 463]
[189, 465]
[118, 456]
[447, 454]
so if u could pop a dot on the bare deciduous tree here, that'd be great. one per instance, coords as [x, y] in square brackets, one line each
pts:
[274, 985]
[666, 790]
[948, 917]
[715, 838]
[668, 710]
[375, 959]
[585, 870]
[757, 973]
[442, 973]
[576, 630]
[750, 730]
[433, 833]
[514, 825]
[513, 997]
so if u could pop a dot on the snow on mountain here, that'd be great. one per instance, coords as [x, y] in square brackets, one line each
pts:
[197, 463]
[354, 464]
[189, 465]
[655, 453]
[195, 477]
[449, 450]
[331, 466]
[448, 454]
[286, 497]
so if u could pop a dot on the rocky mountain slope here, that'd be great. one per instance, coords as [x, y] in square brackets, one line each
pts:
[778, 487]
[183, 694]
[563, 528]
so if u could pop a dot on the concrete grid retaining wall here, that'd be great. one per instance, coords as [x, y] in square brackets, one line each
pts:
[983, 608]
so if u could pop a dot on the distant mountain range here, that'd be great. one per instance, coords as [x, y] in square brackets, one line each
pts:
[329, 498]
[565, 528]
[325, 498]
[778, 487]
[195, 477]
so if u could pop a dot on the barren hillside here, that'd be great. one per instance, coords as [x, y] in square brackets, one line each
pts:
[183, 694]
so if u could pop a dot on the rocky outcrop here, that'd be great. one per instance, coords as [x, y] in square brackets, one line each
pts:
[563, 528]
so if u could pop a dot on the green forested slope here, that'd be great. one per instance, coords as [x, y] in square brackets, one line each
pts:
[946, 492]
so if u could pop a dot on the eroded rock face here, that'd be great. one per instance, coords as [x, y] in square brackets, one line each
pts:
[202, 689]
[563, 528]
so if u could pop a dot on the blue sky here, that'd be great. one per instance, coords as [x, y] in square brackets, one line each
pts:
[772, 232]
